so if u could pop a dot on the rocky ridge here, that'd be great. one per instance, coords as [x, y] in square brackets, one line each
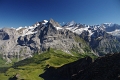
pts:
[103, 39]
[22, 43]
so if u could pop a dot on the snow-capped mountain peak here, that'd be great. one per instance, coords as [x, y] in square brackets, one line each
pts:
[72, 23]
[108, 24]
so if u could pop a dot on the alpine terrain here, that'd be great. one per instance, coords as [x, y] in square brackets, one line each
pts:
[49, 51]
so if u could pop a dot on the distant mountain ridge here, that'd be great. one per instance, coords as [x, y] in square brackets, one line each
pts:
[102, 38]
[110, 28]
[23, 42]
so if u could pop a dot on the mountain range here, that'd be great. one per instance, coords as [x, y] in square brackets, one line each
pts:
[24, 42]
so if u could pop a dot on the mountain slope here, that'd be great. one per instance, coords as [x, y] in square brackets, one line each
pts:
[22, 43]
[100, 37]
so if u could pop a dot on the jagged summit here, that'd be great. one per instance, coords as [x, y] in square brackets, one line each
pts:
[72, 23]
[55, 24]
[51, 21]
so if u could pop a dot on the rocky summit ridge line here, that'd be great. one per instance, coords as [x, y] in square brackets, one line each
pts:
[23, 42]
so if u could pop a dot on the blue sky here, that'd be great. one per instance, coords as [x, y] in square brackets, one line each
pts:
[15, 13]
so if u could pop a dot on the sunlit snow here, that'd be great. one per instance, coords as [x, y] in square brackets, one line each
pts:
[19, 28]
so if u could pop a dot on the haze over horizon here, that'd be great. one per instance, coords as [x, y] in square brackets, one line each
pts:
[16, 13]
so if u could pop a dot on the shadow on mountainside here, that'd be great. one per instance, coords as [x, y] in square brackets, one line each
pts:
[103, 68]
[67, 71]
[13, 78]
[52, 74]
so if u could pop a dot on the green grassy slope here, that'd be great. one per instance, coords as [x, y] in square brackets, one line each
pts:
[31, 68]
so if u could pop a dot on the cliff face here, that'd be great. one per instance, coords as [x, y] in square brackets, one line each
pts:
[103, 39]
[102, 43]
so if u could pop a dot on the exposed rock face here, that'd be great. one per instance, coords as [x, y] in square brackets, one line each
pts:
[101, 42]
[103, 39]
[8, 43]
[23, 42]
[3, 35]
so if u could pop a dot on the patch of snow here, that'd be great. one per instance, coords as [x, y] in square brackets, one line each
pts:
[70, 24]
[58, 28]
[108, 24]
[90, 33]
[37, 24]
[79, 31]
[115, 33]
[19, 28]
[86, 28]
[45, 22]
[74, 28]
[31, 27]
[29, 30]
[70, 28]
